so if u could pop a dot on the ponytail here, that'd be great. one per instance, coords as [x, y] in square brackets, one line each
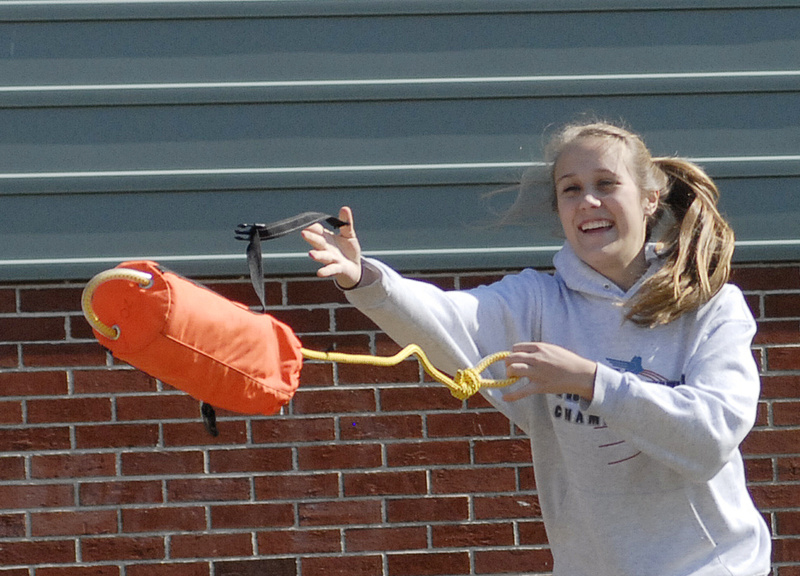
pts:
[698, 245]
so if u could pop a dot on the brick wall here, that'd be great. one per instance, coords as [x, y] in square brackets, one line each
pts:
[371, 471]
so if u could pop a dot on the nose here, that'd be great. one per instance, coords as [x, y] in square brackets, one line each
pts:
[590, 199]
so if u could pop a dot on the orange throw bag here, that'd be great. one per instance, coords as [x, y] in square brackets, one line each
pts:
[194, 339]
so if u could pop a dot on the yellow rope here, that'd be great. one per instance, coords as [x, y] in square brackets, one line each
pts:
[465, 383]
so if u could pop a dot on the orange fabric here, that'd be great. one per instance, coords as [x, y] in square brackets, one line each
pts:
[200, 342]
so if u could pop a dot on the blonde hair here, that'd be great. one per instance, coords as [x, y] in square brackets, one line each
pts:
[695, 240]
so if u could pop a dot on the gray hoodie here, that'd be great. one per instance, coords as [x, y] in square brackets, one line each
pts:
[647, 479]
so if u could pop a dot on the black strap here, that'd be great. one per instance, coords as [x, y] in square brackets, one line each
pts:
[255, 233]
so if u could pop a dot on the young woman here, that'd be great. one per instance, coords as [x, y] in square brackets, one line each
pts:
[637, 381]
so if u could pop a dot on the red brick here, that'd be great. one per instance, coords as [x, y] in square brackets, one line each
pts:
[116, 436]
[11, 412]
[32, 329]
[783, 358]
[472, 535]
[405, 372]
[332, 401]
[785, 550]
[162, 463]
[473, 480]
[73, 523]
[8, 301]
[22, 497]
[12, 468]
[166, 569]
[297, 486]
[770, 497]
[317, 374]
[771, 442]
[164, 519]
[109, 548]
[302, 292]
[385, 483]
[33, 383]
[516, 506]
[60, 410]
[379, 539]
[778, 332]
[532, 533]
[299, 542]
[250, 460]
[293, 430]
[415, 398]
[431, 509]
[252, 515]
[214, 545]
[72, 465]
[243, 292]
[467, 282]
[339, 512]
[31, 552]
[349, 319]
[429, 453]
[120, 493]
[758, 469]
[50, 299]
[9, 356]
[428, 564]
[782, 305]
[780, 386]
[304, 320]
[12, 526]
[17, 572]
[514, 561]
[157, 407]
[348, 343]
[194, 433]
[113, 381]
[788, 523]
[99, 570]
[52, 355]
[468, 424]
[260, 567]
[208, 489]
[498, 451]
[786, 413]
[772, 277]
[33, 439]
[339, 456]
[381, 427]
[342, 566]
[789, 469]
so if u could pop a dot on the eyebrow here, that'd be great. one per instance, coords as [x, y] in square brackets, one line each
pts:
[597, 172]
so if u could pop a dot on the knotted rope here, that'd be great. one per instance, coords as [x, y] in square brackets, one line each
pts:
[465, 383]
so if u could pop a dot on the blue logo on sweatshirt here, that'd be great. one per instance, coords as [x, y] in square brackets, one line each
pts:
[634, 366]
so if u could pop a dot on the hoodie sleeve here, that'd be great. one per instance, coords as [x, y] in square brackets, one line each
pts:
[456, 329]
[696, 427]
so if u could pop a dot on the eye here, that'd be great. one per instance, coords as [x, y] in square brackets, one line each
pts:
[570, 190]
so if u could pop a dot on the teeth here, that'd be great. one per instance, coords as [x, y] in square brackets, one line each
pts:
[595, 225]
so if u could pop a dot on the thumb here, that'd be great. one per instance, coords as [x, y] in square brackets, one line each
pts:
[346, 215]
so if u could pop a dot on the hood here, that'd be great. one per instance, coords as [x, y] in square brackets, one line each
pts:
[580, 277]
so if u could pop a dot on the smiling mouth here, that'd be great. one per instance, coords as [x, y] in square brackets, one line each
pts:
[596, 226]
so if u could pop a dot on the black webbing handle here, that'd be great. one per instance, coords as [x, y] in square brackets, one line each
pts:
[255, 233]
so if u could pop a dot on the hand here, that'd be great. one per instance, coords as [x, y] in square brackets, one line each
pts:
[339, 254]
[550, 369]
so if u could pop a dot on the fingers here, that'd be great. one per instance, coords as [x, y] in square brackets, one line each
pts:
[346, 215]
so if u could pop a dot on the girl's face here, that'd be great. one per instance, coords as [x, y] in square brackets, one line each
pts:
[602, 210]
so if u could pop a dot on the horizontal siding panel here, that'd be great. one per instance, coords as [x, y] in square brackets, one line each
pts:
[151, 129]
[72, 10]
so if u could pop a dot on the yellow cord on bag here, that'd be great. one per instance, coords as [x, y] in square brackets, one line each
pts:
[465, 383]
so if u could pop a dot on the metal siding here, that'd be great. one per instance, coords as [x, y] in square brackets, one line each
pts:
[135, 129]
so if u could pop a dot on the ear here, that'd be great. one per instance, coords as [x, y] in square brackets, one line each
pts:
[650, 202]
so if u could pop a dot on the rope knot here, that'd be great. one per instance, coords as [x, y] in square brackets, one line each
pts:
[466, 383]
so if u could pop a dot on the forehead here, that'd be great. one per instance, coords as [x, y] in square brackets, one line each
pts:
[591, 154]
